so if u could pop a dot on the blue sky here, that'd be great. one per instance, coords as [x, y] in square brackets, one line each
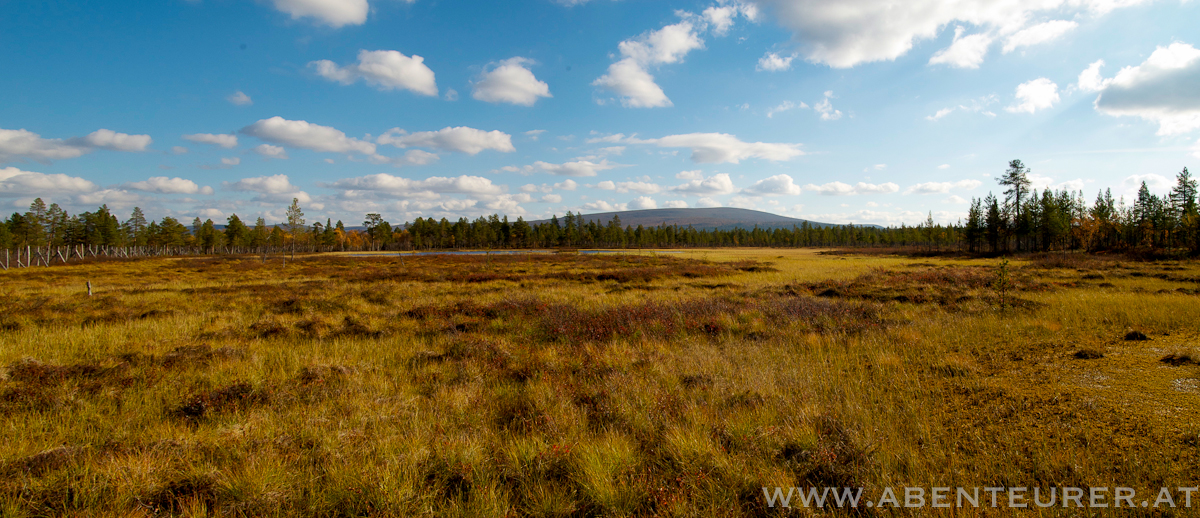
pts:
[863, 111]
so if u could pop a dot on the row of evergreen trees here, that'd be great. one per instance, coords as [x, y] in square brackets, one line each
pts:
[1024, 220]
[1021, 220]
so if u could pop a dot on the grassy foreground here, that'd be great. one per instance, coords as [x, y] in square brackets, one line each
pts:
[606, 385]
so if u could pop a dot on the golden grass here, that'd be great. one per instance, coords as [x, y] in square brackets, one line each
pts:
[617, 385]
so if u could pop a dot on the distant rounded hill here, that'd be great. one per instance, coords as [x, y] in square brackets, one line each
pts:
[717, 218]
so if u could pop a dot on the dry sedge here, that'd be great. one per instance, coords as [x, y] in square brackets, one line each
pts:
[584, 385]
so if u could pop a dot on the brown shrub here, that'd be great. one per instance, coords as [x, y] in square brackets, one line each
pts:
[517, 411]
[1073, 261]
[353, 327]
[8, 324]
[1136, 336]
[268, 328]
[316, 383]
[652, 319]
[1177, 359]
[599, 407]
[39, 464]
[946, 286]
[35, 372]
[747, 265]
[835, 461]
[24, 397]
[200, 355]
[237, 396]
[40, 386]
[569, 267]
[695, 380]
[179, 494]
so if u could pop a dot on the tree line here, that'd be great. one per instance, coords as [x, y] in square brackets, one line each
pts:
[1021, 219]
[1025, 220]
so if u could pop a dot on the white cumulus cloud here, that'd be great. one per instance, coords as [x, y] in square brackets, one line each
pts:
[784, 106]
[1038, 94]
[306, 135]
[272, 189]
[240, 99]
[708, 148]
[624, 187]
[461, 139]
[845, 33]
[1037, 34]
[629, 77]
[714, 185]
[666, 45]
[845, 189]
[601, 205]
[1090, 79]
[164, 185]
[720, 18]
[643, 202]
[512, 82]
[940, 113]
[942, 187]
[270, 151]
[17, 144]
[114, 198]
[773, 62]
[410, 157]
[15, 182]
[277, 184]
[825, 108]
[1164, 89]
[383, 69]
[635, 86]
[113, 141]
[425, 188]
[565, 185]
[778, 185]
[24, 144]
[223, 140]
[1157, 183]
[965, 52]
[334, 13]
[578, 168]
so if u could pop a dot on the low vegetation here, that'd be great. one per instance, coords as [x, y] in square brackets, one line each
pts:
[585, 385]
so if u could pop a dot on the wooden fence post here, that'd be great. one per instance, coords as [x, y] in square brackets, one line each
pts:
[89, 287]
